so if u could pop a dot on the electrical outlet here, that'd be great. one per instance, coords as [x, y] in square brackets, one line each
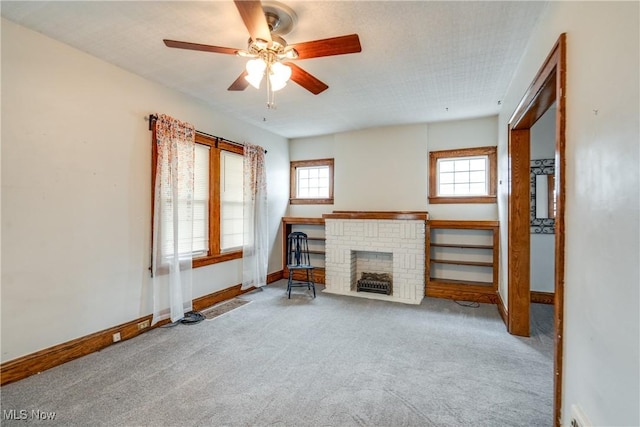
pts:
[116, 337]
[578, 418]
[143, 325]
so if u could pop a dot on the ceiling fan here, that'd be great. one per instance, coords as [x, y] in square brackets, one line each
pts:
[269, 52]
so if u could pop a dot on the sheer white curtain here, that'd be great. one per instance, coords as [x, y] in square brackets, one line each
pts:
[255, 250]
[173, 219]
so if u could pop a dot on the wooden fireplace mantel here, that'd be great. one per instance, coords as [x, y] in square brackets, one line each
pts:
[394, 215]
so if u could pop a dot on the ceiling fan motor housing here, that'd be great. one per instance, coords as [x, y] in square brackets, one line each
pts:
[281, 19]
[276, 48]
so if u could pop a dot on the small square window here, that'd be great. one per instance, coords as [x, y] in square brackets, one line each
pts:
[463, 176]
[470, 176]
[311, 182]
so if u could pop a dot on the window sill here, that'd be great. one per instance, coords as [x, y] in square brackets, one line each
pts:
[214, 259]
[311, 201]
[461, 200]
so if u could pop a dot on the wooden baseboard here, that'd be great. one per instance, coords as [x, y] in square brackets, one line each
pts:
[543, 297]
[318, 275]
[48, 358]
[232, 292]
[274, 277]
[462, 292]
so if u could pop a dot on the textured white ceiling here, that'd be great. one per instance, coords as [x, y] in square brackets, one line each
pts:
[421, 61]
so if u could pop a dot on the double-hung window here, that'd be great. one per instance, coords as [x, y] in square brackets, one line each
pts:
[217, 200]
[463, 175]
[231, 201]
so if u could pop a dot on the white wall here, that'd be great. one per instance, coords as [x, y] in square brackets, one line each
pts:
[375, 169]
[481, 132]
[76, 191]
[601, 372]
[386, 168]
[543, 245]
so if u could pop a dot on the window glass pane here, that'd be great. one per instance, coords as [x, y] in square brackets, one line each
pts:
[446, 178]
[231, 195]
[479, 176]
[317, 186]
[445, 165]
[446, 189]
[461, 165]
[475, 188]
[462, 189]
[478, 164]
[201, 200]
[463, 176]
[193, 224]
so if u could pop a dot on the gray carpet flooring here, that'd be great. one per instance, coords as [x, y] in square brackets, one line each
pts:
[329, 361]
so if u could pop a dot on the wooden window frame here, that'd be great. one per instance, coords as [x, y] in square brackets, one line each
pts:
[293, 182]
[434, 156]
[216, 145]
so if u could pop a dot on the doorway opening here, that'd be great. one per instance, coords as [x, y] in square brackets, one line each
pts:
[547, 89]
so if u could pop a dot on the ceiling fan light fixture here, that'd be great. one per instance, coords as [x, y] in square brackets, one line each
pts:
[255, 71]
[276, 85]
[256, 66]
[280, 71]
[279, 75]
[254, 80]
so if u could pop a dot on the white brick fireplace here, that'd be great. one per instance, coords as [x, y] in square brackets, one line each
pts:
[391, 243]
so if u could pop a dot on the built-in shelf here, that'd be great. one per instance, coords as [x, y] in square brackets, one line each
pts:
[308, 226]
[458, 245]
[462, 282]
[456, 262]
[464, 248]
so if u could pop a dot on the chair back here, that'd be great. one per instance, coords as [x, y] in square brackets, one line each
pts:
[297, 250]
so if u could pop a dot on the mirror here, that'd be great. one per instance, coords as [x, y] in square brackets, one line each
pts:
[545, 196]
[542, 196]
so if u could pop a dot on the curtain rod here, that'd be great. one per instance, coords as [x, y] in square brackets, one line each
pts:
[153, 117]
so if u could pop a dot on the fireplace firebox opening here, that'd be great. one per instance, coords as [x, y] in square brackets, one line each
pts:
[372, 272]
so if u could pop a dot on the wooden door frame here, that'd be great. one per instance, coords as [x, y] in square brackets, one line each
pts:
[548, 86]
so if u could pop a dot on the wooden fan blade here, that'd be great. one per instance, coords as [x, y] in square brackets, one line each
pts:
[202, 47]
[306, 80]
[253, 17]
[241, 83]
[328, 47]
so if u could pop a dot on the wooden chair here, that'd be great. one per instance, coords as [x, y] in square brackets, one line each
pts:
[298, 260]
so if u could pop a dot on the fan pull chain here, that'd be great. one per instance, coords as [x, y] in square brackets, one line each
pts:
[271, 95]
